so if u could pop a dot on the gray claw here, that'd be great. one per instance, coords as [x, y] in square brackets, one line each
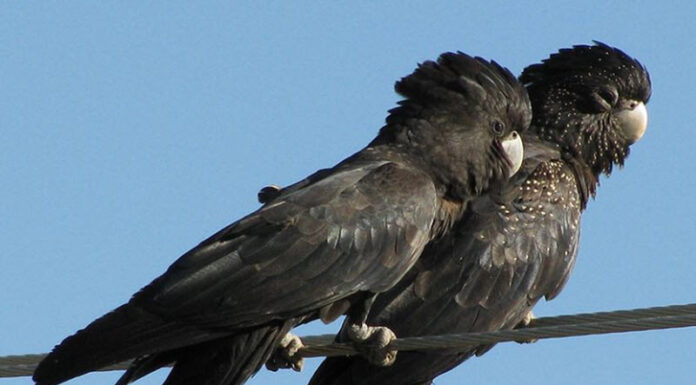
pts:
[371, 342]
[526, 321]
[285, 356]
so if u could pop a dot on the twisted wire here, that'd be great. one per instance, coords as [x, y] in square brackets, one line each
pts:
[621, 321]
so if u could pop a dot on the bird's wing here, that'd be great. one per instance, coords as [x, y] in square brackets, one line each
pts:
[357, 229]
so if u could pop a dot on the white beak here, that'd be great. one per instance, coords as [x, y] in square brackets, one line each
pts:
[634, 122]
[514, 150]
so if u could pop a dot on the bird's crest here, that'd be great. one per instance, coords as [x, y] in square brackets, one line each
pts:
[582, 62]
[457, 80]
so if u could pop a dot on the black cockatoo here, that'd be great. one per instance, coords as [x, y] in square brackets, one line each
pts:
[324, 247]
[518, 243]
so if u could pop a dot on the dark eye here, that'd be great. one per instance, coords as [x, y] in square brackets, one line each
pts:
[603, 99]
[609, 95]
[498, 127]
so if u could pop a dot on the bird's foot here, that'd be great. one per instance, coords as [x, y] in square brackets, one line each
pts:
[285, 356]
[371, 342]
[268, 193]
[526, 321]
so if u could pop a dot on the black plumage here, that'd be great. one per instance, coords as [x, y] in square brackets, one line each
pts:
[324, 246]
[518, 243]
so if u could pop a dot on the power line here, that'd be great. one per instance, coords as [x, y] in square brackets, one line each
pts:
[654, 318]
[621, 321]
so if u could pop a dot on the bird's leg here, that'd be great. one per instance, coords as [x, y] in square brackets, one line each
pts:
[525, 322]
[285, 355]
[370, 341]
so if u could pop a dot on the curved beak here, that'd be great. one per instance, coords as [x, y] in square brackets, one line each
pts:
[634, 122]
[514, 151]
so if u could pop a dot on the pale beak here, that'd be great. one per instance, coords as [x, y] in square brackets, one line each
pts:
[514, 151]
[634, 122]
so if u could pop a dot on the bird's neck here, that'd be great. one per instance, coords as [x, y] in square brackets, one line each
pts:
[587, 178]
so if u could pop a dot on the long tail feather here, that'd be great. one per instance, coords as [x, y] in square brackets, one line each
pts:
[126, 332]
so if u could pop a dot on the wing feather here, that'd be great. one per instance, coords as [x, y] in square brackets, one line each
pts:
[352, 231]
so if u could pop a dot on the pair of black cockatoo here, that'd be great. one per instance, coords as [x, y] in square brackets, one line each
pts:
[458, 217]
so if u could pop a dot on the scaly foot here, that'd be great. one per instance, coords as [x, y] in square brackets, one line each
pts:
[528, 318]
[371, 342]
[285, 356]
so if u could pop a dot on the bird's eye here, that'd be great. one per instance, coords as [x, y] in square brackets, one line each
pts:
[632, 105]
[498, 127]
[609, 95]
[602, 99]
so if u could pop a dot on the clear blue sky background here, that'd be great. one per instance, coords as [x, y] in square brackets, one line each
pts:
[129, 132]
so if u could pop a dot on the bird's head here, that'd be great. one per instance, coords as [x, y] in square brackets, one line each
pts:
[463, 116]
[591, 100]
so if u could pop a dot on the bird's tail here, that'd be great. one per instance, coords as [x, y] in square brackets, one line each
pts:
[334, 371]
[122, 334]
[410, 368]
[229, 360]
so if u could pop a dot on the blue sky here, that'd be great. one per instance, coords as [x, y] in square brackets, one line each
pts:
[130, 132]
